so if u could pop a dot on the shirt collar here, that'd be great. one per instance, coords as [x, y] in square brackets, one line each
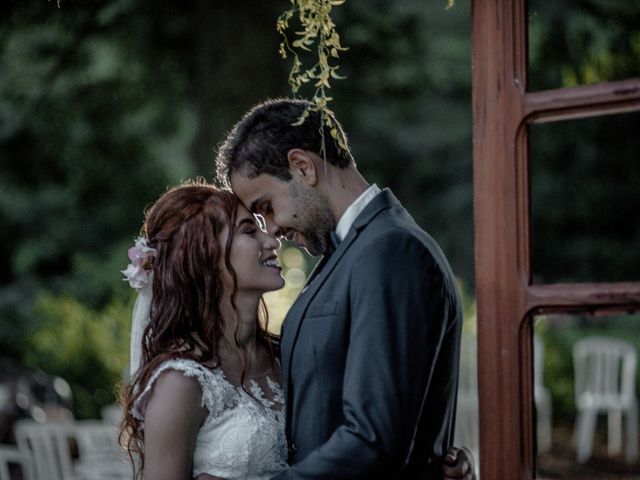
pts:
[352, 212]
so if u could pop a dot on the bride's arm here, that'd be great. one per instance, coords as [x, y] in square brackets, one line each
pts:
[173, 417]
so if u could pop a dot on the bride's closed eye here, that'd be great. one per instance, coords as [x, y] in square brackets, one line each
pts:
[248, 226]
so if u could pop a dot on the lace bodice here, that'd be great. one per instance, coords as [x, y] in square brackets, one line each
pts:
[243, 436]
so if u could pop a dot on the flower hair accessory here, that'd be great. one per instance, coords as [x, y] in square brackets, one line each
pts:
[136, 273]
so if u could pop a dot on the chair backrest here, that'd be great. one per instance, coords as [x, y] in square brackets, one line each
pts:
[96, 437]
[605, 372]
[11, 455]
[47, 447]
[112, 414]
[54, 448]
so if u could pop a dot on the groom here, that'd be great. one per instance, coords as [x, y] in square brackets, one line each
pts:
[370, 348]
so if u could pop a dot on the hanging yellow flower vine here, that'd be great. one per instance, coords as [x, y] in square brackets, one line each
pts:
[317, 29]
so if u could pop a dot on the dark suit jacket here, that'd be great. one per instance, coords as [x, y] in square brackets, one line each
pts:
[370, 352]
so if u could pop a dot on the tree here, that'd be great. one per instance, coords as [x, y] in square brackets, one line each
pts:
[104, 104]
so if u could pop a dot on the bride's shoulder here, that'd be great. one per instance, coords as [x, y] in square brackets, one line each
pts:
[171, 387]
[210, 378]
[186, 374]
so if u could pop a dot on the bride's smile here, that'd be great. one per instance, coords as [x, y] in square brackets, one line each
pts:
[252, 257]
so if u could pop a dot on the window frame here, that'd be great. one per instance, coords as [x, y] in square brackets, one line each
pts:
[506, 296]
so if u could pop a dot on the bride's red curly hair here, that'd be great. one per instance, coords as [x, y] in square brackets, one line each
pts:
[185, 227]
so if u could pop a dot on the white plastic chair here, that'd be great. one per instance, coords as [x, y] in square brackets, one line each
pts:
[49, 447]
[9, 454]
[48, 450]
[605, 382]
[467, 418]
[100, 457]
[542, 398]
[112, 414]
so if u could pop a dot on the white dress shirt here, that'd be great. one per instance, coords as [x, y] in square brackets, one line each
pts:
[352, 212]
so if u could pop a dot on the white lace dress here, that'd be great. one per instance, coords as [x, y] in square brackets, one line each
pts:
[242, 437]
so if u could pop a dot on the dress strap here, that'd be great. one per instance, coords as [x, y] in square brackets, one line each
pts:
[217, 394]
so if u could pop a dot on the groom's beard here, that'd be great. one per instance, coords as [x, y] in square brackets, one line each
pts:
[315, 242]
[313, 219]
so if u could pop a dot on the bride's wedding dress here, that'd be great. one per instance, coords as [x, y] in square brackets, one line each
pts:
[243, 435]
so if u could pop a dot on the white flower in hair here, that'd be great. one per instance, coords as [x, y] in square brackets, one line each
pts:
[135, 273]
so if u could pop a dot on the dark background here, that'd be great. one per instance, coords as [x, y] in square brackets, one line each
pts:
[103, 104]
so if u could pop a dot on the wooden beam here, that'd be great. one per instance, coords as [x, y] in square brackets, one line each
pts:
[582, 101]
[623, 297]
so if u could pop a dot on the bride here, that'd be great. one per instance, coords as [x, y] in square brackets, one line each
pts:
[205, 397]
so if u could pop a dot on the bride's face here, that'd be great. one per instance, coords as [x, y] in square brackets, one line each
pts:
[253, 255]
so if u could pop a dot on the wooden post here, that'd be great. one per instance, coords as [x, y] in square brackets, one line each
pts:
[506, 298]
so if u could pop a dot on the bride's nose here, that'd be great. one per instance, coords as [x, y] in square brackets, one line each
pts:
[270, 242]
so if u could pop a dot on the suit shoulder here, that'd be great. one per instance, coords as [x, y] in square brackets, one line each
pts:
[393, 244]
[396, 232]
[395, 236]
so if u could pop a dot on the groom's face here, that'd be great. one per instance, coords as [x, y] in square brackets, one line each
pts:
[291, 209]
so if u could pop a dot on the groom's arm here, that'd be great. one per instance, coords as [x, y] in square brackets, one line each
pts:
[398, 302]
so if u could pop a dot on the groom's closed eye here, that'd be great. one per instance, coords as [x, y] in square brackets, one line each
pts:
[264, 208]
[254, 208]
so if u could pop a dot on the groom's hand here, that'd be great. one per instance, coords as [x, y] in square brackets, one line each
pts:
[459, 464]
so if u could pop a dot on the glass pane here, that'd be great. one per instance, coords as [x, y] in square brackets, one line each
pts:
[585, 199]
[586, 394]
[582, 42]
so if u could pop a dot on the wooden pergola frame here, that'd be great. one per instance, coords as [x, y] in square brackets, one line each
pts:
[506, 297]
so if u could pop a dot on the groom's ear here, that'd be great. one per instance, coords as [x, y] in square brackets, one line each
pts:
[302, 166]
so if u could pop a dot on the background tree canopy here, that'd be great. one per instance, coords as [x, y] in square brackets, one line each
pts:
[103, 104]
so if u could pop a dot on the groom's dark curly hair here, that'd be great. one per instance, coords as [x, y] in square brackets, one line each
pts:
[260, 141]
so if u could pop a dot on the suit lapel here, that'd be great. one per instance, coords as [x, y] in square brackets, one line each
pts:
[296, 315]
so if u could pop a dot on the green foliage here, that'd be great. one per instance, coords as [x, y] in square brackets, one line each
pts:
[407, 109]
[73, 114]
[317, 27]
[583, 42]
[584, 194]
[86, 144]
[88, 348]
[583, 190]
[103, 104]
